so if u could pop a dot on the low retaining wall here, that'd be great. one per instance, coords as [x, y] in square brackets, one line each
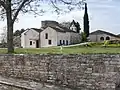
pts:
[86, 72]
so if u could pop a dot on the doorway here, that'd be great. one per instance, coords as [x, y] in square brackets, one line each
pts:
[117, 87]
[37, 43]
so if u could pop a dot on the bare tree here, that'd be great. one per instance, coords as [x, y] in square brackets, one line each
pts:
[66, 24]
[4, 35]
[10, 10]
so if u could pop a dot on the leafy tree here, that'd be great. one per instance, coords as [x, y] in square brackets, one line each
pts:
[86, 21]
[10, 10]
[3, 38]
[18, 32]
[4, 35]
[66, 24]
[106, 43]
[83, 36]
[78, 27]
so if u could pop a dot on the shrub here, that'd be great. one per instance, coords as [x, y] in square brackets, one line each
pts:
[106, 43]
[114, 41]
[95, 44]
[83, 37]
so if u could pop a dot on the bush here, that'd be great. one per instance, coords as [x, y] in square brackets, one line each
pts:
[83, 37]
[106, 43]
[95, 44]
[114, 41]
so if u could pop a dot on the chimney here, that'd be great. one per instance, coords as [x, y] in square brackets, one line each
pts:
[47, 23]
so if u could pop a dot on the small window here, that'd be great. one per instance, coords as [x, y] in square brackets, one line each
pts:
[107, 38]
[33, 42]
[101, 38]
[60, 42]
[30, 42]
[49, 42]
[63, 42]
[46, 35]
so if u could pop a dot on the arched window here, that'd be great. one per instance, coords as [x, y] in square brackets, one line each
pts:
[107, 38]
[102, 38]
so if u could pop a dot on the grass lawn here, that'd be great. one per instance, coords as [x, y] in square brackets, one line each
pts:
[65, 50]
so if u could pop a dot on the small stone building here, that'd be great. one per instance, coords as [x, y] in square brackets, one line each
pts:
[99, 35]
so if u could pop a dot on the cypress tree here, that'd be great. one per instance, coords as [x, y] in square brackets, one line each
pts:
[86, 22]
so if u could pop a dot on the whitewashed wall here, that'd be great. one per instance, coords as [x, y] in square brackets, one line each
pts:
[52, 35]
[73, 28]
[63, 36]
[96, 38]
[27, 36]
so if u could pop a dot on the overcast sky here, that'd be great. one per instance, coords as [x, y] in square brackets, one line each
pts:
[103, 14]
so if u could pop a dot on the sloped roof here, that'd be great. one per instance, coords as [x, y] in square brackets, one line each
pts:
[58, 27]
[62, 29]
[36, 29]
[73, 23]
[118, 35]
[66, 29]
[103, 32]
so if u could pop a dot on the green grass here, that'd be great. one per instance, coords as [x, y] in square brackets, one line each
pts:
[85, 50]
[92, 47]
[66, 50]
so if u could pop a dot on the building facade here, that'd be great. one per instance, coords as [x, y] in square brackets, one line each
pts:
[99, 36]
[50, 34]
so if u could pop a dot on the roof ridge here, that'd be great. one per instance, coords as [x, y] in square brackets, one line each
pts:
[102, 31]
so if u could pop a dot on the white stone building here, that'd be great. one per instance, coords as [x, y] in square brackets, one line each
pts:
[99, 35]
[50, 34]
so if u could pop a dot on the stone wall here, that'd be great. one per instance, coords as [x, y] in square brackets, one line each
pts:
[85, 72]
[7, 87]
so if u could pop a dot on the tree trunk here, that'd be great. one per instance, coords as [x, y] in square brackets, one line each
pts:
[10, 36]
[9, 28]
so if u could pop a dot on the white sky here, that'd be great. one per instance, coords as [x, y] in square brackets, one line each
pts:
[103, 14]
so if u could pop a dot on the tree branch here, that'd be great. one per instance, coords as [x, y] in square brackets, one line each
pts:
[2, 4]
[18, 10]
[55, 5]
[70, 2]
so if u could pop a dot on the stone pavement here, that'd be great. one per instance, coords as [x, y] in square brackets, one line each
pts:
[17, 84]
